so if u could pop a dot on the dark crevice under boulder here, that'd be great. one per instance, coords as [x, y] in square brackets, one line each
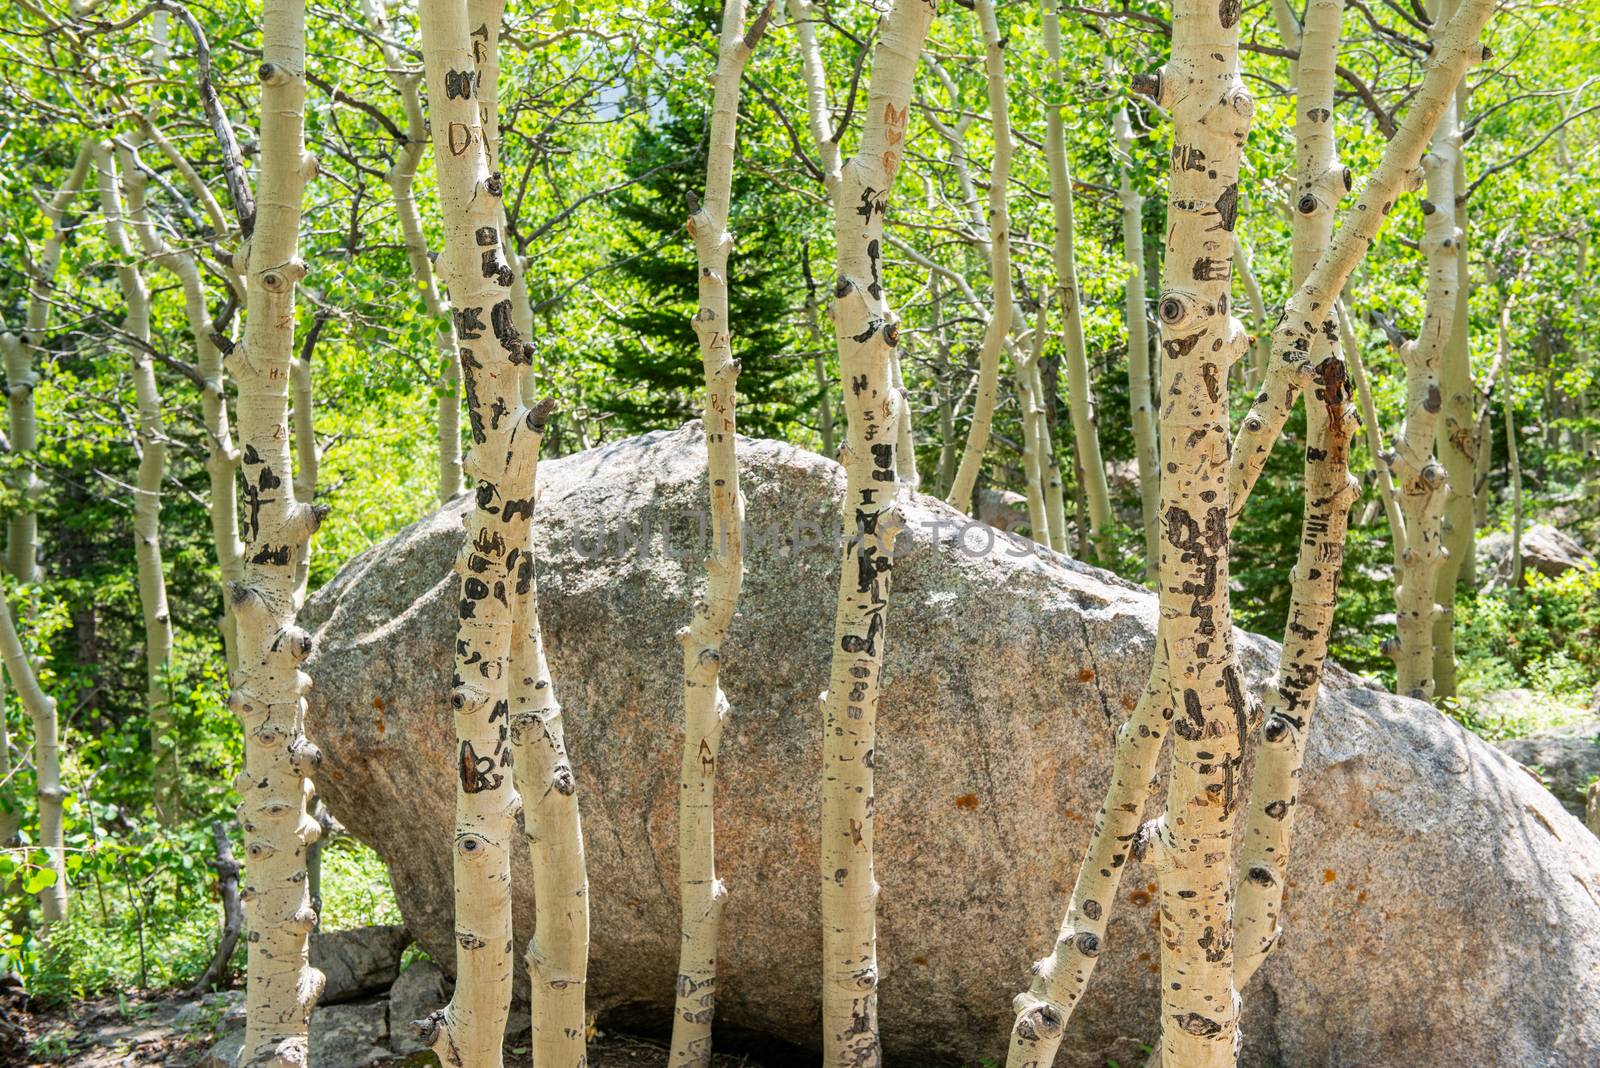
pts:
[1443, 910]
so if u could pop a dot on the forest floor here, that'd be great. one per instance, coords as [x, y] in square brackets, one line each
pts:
[178, 1030]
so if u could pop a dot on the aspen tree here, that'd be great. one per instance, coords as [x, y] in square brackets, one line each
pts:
[998, 238]
[1455, 430]
[495, 567]
[1190, 843]
[151, 440]
[867, 333]
[1140, 403]
[268, 686]
[1043, 1010]
[401, 179]
[41, 708]
[1035, 441]
[1420, 479]
[21, 353]
[705, 708]
[222, 456]
[1080, 398]
[1329, 490]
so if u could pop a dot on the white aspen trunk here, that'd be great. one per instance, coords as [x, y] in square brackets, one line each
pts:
[268, 687]
[401, 179]
[705, 708]
[1329, 491]
[1140, 404]
[1388, 494]
[824, 385]
[965, 482]
[558, 953]
[495, 566]
[1261, 347]
[1312, 309]
[1030, 394]
[867, 333]
[10, 812]
[41, 708]
[1456, 431]
[1192, 840]
[21, 354]
[22, 532]
[1420, 478]
[1059, 979]
[1513, 455]
[222, 457]
[1080, 396]
[151, 442]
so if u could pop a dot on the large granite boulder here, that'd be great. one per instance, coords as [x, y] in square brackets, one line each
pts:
[1444, 909]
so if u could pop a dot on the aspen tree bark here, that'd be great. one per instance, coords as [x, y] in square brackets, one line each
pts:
[495, 566]
[151, 440]
[867, 333]
[1261, 348]
[999, 241]
[1059, 979]
[1420, 478]
[1390, 496]
[1329, 492]
[1312, 307]
[1456, 429]
[21, 358]
[814, 332]
[1080, 396]
[558, 954]
[1513, 454]
[705, 708]
[1030, 392]
[1192, 840]
[268, 687]
[1140, 404]
[41, 708]
[401, 179]
[222, 456]
[21, 353]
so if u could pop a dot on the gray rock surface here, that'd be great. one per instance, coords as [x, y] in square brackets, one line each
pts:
[1545, 549]
[419, 991]
[350, 1035]
[1444, 909]
[1566, 759]
[359, 961]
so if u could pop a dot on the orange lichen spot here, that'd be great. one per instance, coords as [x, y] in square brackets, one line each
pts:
[1361, 898]
[1144, 956]
[1128, 704]
[377, 702]
[379, 725]
[1151, 888]
[919, 959]
[1072, 814]
[1140, 898]
[1086, 675]
[967, 802]
[1155, 969]
[1329, 875]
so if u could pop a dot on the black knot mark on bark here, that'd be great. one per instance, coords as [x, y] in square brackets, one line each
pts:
[469, 325]
[1228, 207]
[1259, 874]
[494, 185]
[1188, 158]
[1278, 809]
[1320, 115]
[1091, 909]
[1040, 1022]
[1087, 943]
[272, 554]
[1198, 1025]
[1228, 13]
[1147, 84]
[883, 462]
[504, 326]
[1207, 269]
[1307, 205]
[1191, 725]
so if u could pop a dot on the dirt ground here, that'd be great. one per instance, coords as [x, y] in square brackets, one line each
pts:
[175, 1031]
